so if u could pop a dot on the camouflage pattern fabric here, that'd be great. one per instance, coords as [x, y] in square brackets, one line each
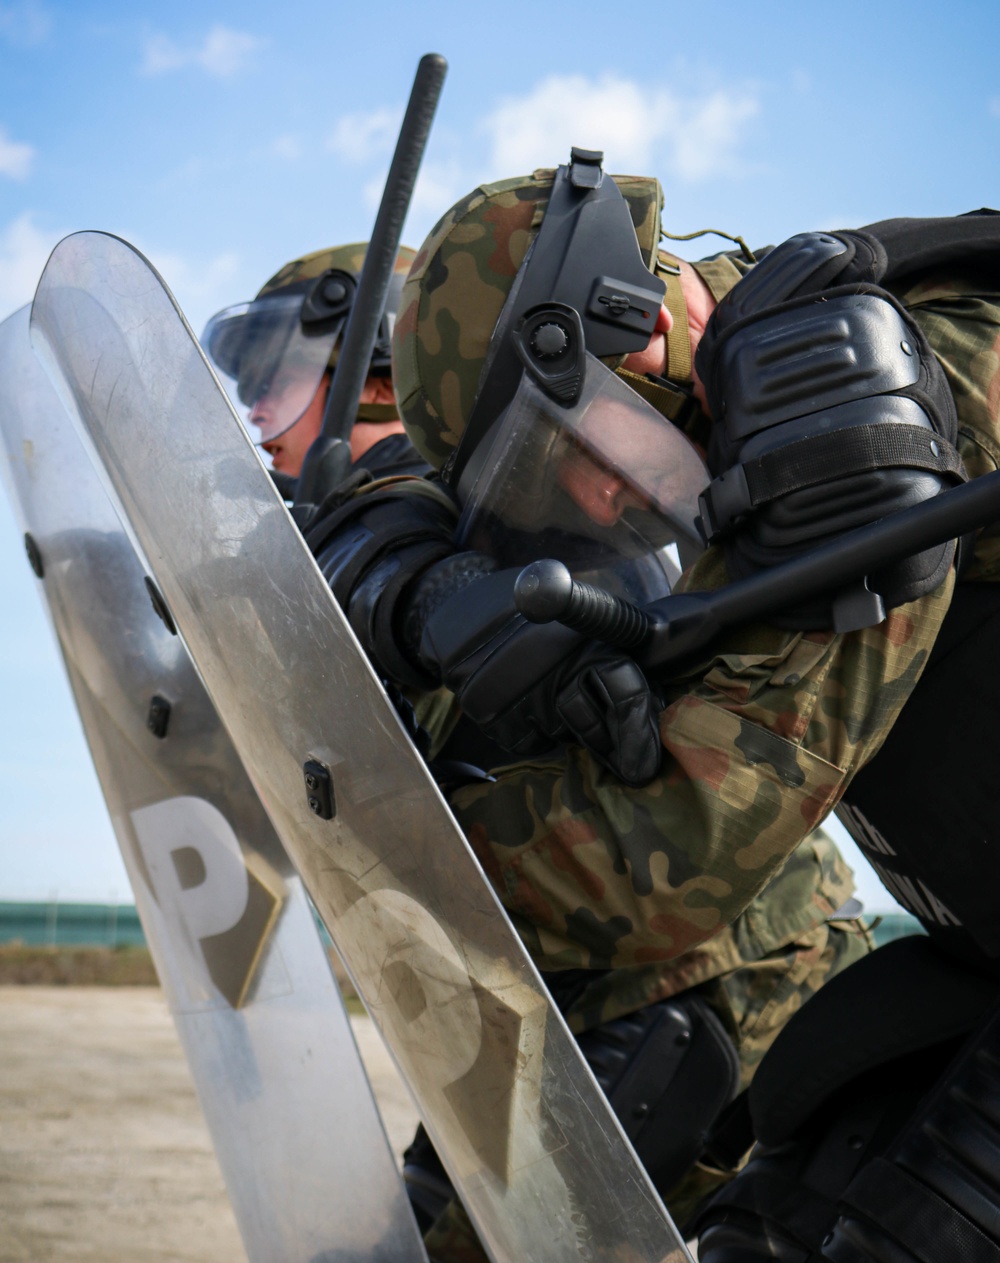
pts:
[457, 287]
[759, 743]
[760, 738]
[708, 877]
[349, 258]
[767, 729]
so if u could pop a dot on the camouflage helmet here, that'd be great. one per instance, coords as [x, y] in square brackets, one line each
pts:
[296, 321]
[457, 288]
[302, 274]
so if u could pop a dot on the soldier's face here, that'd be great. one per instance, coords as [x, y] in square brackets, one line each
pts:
[288, 450]
[618, 459]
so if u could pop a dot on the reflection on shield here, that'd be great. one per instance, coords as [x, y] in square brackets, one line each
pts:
[224, 912]
[607, 486]
[429, 948]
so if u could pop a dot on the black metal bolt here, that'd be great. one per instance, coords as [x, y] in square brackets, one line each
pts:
[319, 789]
[34, 556]
[549, 341]
[159, 606]
[640, 1110]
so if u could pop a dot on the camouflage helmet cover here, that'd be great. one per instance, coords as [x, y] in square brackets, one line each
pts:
[291, 333]
[296, 275]
[457, 287]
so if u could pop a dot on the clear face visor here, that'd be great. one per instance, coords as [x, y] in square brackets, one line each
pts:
[607, 486]
[270, 366]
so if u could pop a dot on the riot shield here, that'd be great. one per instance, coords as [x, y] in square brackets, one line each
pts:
[524, 1131]
[260, 1017]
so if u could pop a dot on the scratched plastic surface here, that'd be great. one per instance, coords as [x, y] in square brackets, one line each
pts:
[259, 1014]
[522, 1127]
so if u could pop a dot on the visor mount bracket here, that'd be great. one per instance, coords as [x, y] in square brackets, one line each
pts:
[158, 716]
[159, 606]
[550, 344]
[585, 168]
[319, 789]
[329, 298]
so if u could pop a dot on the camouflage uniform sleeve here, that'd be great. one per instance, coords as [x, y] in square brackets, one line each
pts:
[961, 319]
[759, 741]
[758, 747]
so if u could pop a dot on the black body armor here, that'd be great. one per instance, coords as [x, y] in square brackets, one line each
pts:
[878, 1107]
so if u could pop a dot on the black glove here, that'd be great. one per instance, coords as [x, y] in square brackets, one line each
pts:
[427, 616]
[532, 686]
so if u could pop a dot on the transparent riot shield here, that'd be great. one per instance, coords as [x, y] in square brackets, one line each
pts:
[290, 1111]
[523, 1129]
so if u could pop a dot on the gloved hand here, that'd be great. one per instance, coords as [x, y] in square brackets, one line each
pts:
[530, 686]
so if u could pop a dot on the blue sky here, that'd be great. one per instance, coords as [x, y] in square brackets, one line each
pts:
[224, 139]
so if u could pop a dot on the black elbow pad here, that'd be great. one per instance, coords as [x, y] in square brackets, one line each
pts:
[829, 412]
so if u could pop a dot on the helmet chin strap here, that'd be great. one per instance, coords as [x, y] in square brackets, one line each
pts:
[679, 363]
[377, 413]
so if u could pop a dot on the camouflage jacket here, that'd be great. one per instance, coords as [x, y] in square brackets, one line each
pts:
[690, 876]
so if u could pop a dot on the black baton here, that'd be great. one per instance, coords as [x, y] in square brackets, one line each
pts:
[373, 285]
[677, 626]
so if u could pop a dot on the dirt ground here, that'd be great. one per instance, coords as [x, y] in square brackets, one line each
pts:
[104, 1156]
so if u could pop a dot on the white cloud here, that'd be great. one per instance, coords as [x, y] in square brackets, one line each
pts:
[538, 130]
[439, 184]
[24, 249]
[24, 23]
[223, 52]
[358, 137]
[15, 158]
[638, 128]
[286, 147]
[708, 132]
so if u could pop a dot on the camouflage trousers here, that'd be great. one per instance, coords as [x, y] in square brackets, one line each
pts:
[753, 1002]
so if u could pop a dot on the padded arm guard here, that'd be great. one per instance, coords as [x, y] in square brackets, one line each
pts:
[372, 551]
[830, 410]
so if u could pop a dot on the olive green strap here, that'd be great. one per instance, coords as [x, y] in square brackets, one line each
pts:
[679, 337]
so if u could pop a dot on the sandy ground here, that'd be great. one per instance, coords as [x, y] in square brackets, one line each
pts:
[104, 1155]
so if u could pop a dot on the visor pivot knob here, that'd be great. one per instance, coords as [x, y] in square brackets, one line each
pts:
[334, 292]
[549, 341]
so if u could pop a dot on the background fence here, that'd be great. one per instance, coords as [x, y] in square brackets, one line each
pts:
[57, 924]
